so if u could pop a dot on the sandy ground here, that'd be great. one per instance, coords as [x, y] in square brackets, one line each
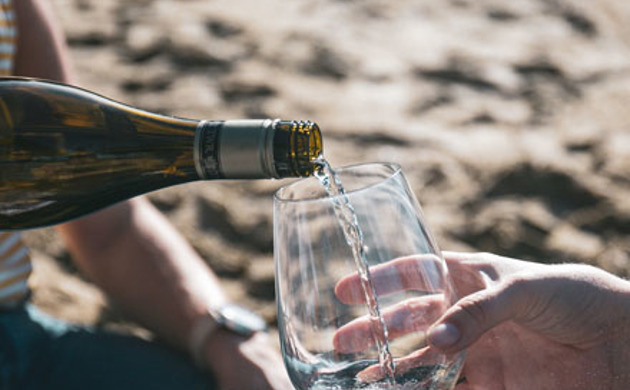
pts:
[509, 118]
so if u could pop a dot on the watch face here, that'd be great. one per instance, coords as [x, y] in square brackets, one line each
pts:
[241, 320]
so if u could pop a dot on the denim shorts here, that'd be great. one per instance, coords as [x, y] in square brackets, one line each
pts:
[38, 351]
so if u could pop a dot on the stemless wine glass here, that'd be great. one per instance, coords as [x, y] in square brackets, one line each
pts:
[343, 315]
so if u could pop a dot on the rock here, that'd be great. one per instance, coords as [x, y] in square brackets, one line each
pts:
[145, 41]
[516, 227]
[617, 152]
[574, 245]
[615, 259]
[88, 22]
[260, 278]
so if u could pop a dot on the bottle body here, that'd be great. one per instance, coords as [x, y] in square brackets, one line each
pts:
[66, 152]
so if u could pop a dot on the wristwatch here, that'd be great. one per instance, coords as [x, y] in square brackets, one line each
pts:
[234, 318]
[238, 319]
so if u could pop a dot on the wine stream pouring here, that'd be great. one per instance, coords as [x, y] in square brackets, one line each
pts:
[66, 152]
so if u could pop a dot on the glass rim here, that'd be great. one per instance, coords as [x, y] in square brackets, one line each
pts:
[396, 169]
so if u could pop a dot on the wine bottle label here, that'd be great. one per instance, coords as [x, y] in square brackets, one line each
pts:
[207, 150]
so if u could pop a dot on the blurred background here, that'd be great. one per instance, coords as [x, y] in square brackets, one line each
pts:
[510, 119]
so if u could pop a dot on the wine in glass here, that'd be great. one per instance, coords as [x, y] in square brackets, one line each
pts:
[359, 280]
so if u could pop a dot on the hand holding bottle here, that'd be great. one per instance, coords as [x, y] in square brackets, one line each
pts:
[525, 325]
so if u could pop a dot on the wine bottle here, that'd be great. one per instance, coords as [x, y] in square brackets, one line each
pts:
[66, 152]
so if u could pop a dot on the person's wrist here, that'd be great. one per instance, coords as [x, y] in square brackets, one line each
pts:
[228, 324]
[203, 330]
[223, 348]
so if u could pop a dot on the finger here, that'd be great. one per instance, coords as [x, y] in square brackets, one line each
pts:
[467, 320]
[492, 267]
[472, 272]
[423, 357]
[418, 272]
[466, 274]
[412, 315]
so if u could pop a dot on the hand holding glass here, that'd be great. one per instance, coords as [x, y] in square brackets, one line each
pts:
[338, 330]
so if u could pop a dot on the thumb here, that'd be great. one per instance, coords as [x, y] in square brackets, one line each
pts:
[468, 319]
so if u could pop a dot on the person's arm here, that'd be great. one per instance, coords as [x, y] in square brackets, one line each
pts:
[135, 255]
[146, 267]
[129, 250]
[153, 274]
[41, 49]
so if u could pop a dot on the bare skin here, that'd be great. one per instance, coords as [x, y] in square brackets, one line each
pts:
[524, 325]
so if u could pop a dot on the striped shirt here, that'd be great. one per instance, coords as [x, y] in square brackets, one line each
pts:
[15, 263]
[15, 268]
[7, 37]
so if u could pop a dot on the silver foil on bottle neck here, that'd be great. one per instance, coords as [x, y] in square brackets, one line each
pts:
[246, 149]
[240, 149]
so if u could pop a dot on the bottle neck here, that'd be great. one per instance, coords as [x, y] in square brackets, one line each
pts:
[256, 149]
[235, 149]
[206, 150]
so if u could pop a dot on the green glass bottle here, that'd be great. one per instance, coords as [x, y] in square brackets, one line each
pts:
[66, 152]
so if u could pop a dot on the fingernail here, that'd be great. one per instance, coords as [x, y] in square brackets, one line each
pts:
[443, 335]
